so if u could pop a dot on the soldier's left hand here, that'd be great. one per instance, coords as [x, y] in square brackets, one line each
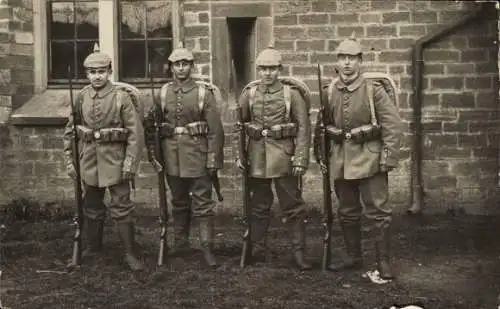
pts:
[127, 175]
[385, 169]
[298, 171]
[211, 171]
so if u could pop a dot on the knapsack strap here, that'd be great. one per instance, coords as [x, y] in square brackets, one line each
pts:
[288, 101]
[201, 98]
[163, 96]
[369, 92]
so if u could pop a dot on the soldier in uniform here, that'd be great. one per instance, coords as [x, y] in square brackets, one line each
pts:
[278, 151]
[361, 154]
[109, 131]
[192, 145]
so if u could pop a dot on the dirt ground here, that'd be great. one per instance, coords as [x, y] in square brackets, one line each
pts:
[441, 262]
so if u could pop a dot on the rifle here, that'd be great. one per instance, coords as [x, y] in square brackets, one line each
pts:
[246, 253]
[327, 190]
[158, 115]
[78, 219]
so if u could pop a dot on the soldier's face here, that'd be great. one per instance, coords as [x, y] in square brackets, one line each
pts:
[348, 64]
[269, 74]
[98, 77]
[182, 69]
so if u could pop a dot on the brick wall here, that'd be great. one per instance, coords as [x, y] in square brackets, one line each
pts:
[460, 112]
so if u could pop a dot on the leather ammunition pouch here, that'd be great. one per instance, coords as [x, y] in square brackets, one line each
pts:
[198, 128]
[365, 133]
[335, 134]
[279, 131]
[106, 135]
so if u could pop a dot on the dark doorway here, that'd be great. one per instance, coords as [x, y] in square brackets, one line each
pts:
[242, 49]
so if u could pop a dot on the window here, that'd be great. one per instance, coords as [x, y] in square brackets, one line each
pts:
[133, 32]
[145, 36]
[73, 30]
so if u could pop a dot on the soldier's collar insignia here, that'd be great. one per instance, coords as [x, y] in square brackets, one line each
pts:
[101, 93]
[277, 86]
[185, 86]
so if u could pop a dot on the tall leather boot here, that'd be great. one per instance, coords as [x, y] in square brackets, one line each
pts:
[206, 225]
[181, 232]
[93, 230]
[126, 232]
[382, 251]
[352, 240]
[299, 244]
[259, 238]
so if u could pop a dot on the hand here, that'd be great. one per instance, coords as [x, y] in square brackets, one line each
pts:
[70, 169]
[211, 172]
[239, 164]
[298, 171]
[127, 175]
[385, 169]
[323, 167]
[156, 165]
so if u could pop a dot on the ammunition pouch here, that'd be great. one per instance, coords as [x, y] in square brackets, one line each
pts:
[198, 128]
[335, 134]
[365, 133]
[279, 131]
[107, 135]
[166, 130]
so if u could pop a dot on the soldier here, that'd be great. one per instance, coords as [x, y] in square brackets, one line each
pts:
[364, 148]
[193, 141]
[110, 134]
[276, 120]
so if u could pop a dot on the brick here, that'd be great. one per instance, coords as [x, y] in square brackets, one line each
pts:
[441, 55]
[480, 42]
[285, 20]
[455, 127]
[430, 127]
[430, 100]
[381, 31]
[412, 5]
[474, 55]
[289, 33]
[412, 30]
[396, 69]
[448, 17]
[6, 37]
[446, 4]
[203, 17]
[344, 18]
[369, 56]
[284, 45]
[485, 153]
[323, 57]
[484, 126]
[347, 31]
[315, 45]
[383, 5]
[374, 44]
[486, 68]
[478, 82]
[21, 49]
[23, 37]
[436, 167]
[323, 6]
[292, 58]
[423, 17]
[459, 42]
[469, 140]
[486, 100]
[190, 18]
[304, 70]
[441, 140]
[459, 68]
[453, 153]
[204, 44]
[394, 56]
[313, 19]
[396, 17]
[477, 115]
[22, 76]
[195, 6]
[5, 13]
[290, 7]
[401, 43]
[433, 69]
[202, 57]
[367, 18]
[196, 31]
[458, 100]
[332, 44]
[438, 182]
[314, 32]
[439, 115]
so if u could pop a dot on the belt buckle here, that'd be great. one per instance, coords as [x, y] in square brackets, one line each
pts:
[265, 132]
[179, 130]
[348, 136]
[97, 134]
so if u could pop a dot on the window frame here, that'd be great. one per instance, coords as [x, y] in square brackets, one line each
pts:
[108, 42]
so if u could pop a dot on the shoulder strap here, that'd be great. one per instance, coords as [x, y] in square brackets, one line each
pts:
[78, 106]
[288, 101]
[330, 90]
[369, 92]
[163, 96]
[118, 99]
[201, 97]
[251, 96]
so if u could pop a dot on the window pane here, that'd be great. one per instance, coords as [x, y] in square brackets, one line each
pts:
[132, 59]
[87, 20]
[133, 17]
[159, 51]
[159, 19]
[62, 55]
[83, 50]
[62, 25]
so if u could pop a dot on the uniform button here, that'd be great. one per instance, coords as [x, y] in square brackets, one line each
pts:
[346, 97]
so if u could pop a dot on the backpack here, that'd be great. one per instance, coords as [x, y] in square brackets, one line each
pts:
[373, 77]
[203, 86]
[287, 82]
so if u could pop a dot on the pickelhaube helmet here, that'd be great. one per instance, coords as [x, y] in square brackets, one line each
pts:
[269, 57]
[181, 53]
[97, 59]
[349, 46]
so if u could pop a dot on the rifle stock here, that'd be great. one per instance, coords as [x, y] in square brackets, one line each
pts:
[78, 219]
[246, 253]
[158, 115]
[327, 191]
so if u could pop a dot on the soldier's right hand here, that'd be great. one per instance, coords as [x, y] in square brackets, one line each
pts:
[156, 165]
[323, 167]
[70, 169]
[239, 164]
